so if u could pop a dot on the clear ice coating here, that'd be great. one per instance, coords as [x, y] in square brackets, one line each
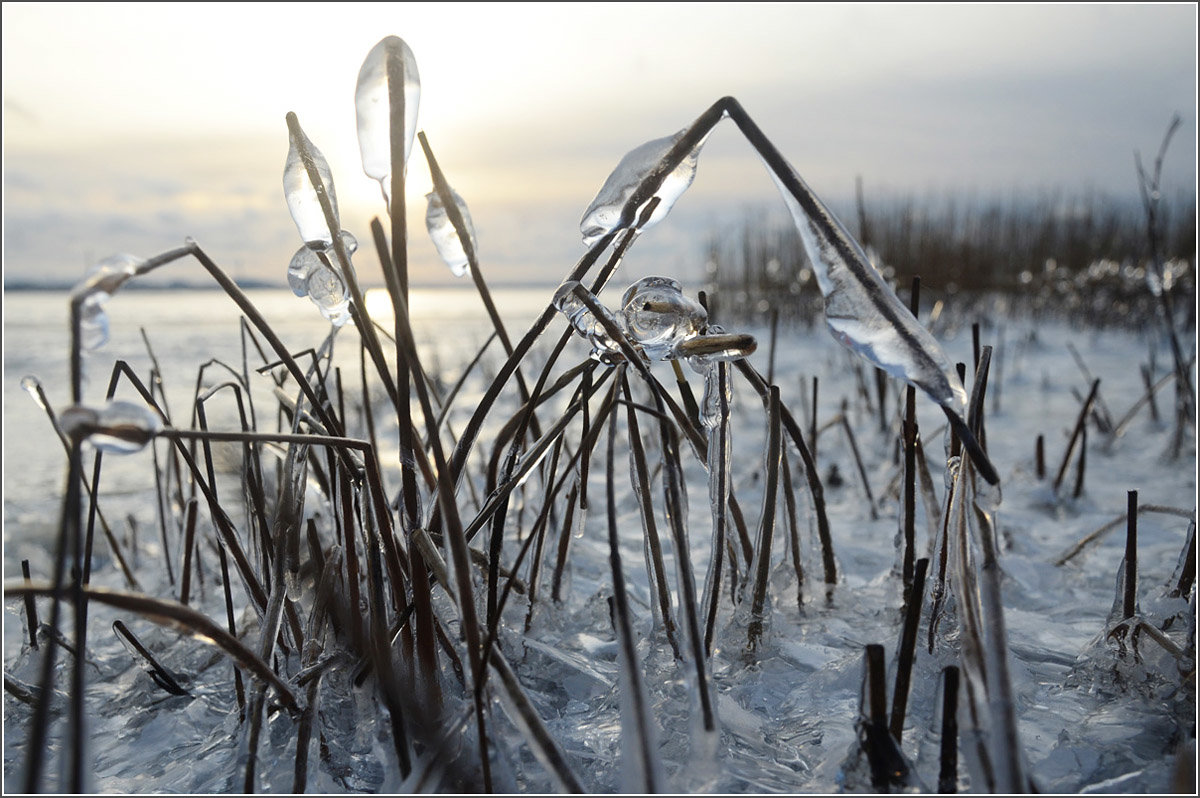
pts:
[604, 214]
[863, 313]
[374, 109]
[656, 314]
[313, 273]
[585, 322]
[714, 346]
[100, 282]
[445, 238]
[303, 198]
[119, 427]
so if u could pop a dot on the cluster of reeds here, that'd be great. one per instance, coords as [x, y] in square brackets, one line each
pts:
[415, 579]
[1085, 258]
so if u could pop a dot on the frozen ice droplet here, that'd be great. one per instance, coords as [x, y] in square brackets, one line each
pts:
[585, 322]
[33, 386]
[119, 427]
[314, 273]
[390, 57]
[658, 315]
[444, 236]
[101, 281]
[302, 194]
[604, 214]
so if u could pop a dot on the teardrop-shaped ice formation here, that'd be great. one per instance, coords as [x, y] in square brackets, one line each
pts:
[303, 196]
[391, 57]
[604, 214]
[658, 315]
[585, 322]
[100, 282]
[119, 427]
[444, 236]
[314, 273]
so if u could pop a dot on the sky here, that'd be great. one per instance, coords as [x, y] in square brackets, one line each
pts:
[130, 127]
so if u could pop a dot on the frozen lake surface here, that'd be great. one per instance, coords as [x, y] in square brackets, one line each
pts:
[1088, 719]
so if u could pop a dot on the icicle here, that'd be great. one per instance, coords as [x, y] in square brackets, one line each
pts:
[303, 197]
[604, 214]
[119, 427]
[98, 285]
[313, 273]
[444, 236]
[657, 315]
[373, 107]
[604, 348]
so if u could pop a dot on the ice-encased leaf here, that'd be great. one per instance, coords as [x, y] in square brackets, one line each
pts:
[604, 214]
[657, 315]
[585, 322]
[303, 196]
[373, 108]
[445, 237]
[863, 313]
[119, 427]
[101, 281]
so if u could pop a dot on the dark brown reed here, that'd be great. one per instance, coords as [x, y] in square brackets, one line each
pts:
[909, 441]
[31, 615]
[1080, 463]
[766, 527]
[189, 544]
[907, 652]
[948, 767]
[1084, 410]
[1039, 456]
[163, 677]
[1129, 565]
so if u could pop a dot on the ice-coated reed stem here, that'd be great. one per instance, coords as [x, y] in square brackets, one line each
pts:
[909, 510]
[31, 614]
[907, 651]
[716, 420]
[1129, 597]
[189, 543]
[163, 677]
[948, 761]
[766, 528]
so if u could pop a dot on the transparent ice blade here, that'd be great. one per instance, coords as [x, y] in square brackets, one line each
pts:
[604, 214]
[863, 313]
[101, 281]
[585, 322]
[302, 194]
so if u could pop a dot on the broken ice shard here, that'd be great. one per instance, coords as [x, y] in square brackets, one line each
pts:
[658, 315]
[604, 214]
[302, 194]
[119, 427]
[585, 322]
[389, 60]
[444, 236]
[97, 286]
[313, 273]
